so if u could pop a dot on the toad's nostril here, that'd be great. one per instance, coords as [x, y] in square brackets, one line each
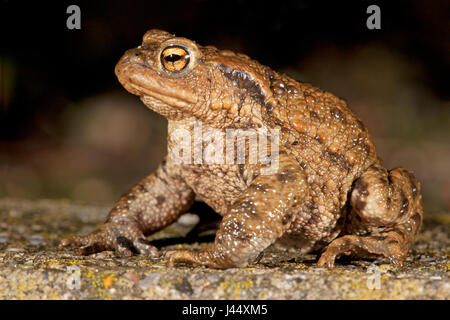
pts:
[136, 56]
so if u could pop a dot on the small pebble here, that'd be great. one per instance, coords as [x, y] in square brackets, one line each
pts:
[108, 282]
[150, 280]
[426, 259]
[15, 249]
[213, 278]
[188, 219]
[36, 240]
[132, 277]
[3, 237]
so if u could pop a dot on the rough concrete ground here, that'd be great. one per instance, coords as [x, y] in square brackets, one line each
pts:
[32, 268]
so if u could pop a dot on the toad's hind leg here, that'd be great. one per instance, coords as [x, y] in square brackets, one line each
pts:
[386, 216]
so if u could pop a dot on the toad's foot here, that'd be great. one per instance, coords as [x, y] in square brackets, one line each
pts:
[205, 258]
[388, 245]
[154, 203]
[126, 239]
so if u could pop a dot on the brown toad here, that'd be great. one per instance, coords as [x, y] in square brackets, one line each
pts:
[329, 191]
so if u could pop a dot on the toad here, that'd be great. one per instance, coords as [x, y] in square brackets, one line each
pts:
[328, 192]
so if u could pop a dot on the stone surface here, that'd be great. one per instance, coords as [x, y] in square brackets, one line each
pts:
[32, 268]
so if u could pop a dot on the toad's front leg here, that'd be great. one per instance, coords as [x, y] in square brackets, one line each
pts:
[258, 218]
[155, 202]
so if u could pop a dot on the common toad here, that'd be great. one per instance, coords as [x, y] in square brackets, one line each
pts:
[329, 190]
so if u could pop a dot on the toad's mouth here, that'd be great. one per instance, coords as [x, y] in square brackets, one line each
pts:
[171, 107]
[160, 95]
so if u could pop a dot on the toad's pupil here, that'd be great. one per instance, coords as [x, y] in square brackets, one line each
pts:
[173, 57]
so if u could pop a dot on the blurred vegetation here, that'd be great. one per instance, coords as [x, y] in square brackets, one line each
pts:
[69, 130]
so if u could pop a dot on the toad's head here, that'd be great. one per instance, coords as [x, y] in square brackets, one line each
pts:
[178, 78]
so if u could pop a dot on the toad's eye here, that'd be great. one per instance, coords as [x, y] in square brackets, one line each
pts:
[175, 58]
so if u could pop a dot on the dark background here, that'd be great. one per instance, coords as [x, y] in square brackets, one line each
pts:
[68, 129]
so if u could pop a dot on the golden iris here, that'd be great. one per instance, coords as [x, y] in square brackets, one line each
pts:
[174, 59]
